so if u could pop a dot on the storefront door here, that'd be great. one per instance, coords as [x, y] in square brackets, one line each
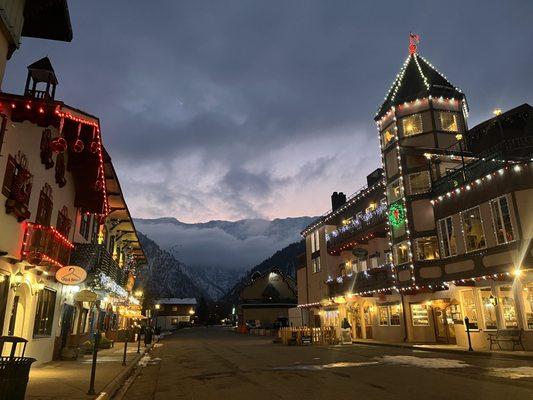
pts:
[368, 321]
[67, 321]
[444, 330]
[354, 318]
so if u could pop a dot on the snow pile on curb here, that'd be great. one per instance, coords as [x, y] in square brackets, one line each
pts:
[512, 373]
[424, 362]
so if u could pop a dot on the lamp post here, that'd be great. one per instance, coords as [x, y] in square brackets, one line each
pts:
[157, 308]
[459, 138]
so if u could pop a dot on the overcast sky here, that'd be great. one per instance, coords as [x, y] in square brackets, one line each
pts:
[236, 109]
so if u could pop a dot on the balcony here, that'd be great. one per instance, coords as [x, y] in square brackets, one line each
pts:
[95, 259]
[368, 222]
[363, 282]
[44, 245]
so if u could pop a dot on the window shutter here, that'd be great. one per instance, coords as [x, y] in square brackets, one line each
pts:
[8, 177]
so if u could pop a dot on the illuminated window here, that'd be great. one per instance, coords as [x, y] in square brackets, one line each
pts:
[501, 219]
[427, 248]
[394, 191]
[371, 207]
[412, 125]
[383, 316]
[388, 135]
[473, 229]
[527, 296]
[448, 121]
[394, 314]
[488, 304]
[315, 241]
[419, 182]
[508, 307]
[469, 308]
[401, 253]
[316, 264]
[362, 265]
[447, 237]
[419, 315]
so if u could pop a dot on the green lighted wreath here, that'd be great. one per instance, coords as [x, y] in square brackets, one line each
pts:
[396, 215]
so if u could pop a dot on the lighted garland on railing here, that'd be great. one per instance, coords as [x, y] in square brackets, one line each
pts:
[357, 222]
[104, 282]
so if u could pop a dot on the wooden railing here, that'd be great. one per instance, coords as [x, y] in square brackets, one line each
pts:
[44, 245]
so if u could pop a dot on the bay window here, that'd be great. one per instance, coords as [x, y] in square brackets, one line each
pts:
[394, 191]
[473, 229]
[412, 125]
[427, 248]
[401, 253]
[419, 182]
[388, 135]
[447, 237]
[449, 122]
[501, 219]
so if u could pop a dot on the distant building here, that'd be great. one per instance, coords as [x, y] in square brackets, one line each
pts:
[172, 313]
[266, 299]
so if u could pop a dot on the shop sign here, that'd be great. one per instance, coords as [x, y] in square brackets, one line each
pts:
[85, 296]
[71, 275]
[124, 335]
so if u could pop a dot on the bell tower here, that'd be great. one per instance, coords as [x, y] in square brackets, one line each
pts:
[41, 81]
[423, 115]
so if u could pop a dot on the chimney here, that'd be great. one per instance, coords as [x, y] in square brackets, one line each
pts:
[337, 200]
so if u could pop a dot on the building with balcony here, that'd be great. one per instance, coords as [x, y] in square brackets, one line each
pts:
[59, 192]
[455, 234]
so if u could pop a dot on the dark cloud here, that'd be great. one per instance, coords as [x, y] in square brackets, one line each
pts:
[224, 109]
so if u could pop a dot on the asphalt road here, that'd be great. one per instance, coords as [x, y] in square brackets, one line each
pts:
[216, 363]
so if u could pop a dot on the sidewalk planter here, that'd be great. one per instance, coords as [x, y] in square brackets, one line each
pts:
[70, 353]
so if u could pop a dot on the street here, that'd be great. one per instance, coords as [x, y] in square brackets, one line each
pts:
[216, 363]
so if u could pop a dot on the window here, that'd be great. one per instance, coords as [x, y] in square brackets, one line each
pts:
[44, 314]
[448, 121]
[469, 308]
[96, 230]
[394, 191]
[508, 307]
[501, 218]
[17, 179]
[383, 315]
[2, 131]
[527, 297]
[400, 253]
[363, 265]
[388, 135]
[419, 182]
[63, 222]
[488, 304]
[174, 321]
[174, 308]
[419, 315]
[85, 225]
[315, 241]
[373, 262]
[427, 248]
[412, 125]
[316, 265]
[394, 314]
[447, 237]
[46, 204]
[473, 229]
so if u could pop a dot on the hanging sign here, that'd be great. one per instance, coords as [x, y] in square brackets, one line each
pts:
[71, 275]
[85, 296]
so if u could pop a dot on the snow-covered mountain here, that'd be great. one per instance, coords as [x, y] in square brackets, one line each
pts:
[216, 254]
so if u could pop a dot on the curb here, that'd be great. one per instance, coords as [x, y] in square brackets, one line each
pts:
[111, 388]
[474, 353]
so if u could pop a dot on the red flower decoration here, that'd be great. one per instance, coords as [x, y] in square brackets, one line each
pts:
[94, 147]
[78, 146]
[58, 145]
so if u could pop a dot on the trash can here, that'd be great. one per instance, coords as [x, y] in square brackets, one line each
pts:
[14, 371]
[148, 333]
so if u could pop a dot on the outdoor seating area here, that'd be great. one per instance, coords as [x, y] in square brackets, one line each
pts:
[513, 336]
[303, 336]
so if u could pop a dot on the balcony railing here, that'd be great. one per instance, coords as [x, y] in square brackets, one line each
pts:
[95, 258]
[356, 226]
[44, 245]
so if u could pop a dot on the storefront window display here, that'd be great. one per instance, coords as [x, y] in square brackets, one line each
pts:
[469, 308]
[331, 318]
[394, 314]
[508, 307]
[419, 314]
[488, 303]
[383, 316]
[527, 297]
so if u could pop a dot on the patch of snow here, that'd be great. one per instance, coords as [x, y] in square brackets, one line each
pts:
[512, 373]
[424, 362]
[349, 364]
[143, 362]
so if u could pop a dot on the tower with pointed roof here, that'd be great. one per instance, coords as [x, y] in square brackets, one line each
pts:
[41, 72]
[422, 114]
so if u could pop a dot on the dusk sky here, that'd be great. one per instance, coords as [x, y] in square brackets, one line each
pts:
[238, 109]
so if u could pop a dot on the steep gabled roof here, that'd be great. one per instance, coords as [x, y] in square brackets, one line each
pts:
[418, 78]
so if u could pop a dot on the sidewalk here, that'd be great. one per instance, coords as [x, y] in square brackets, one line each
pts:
[452, 348]
[70, 379]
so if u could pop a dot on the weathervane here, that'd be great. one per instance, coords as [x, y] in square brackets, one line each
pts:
[414, 39]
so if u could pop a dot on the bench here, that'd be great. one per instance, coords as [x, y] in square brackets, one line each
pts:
[513, 336]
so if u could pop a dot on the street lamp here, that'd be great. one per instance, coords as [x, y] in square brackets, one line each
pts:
[157, 306]
[459, 137]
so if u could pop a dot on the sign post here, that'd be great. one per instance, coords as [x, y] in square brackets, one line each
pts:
[97, 337]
